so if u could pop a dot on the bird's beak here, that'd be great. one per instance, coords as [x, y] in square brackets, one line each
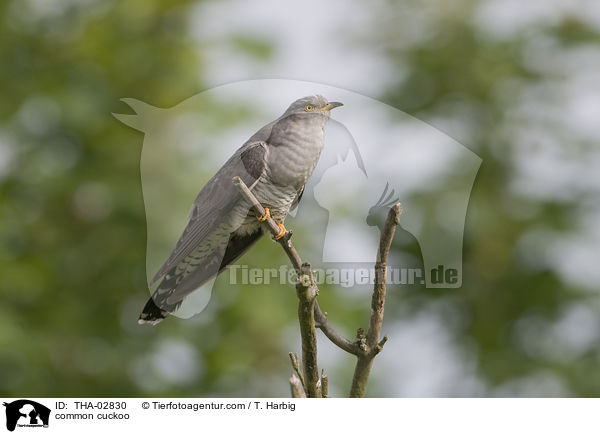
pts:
[332, 105]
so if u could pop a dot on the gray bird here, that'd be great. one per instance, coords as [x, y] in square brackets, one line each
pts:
[275, 163]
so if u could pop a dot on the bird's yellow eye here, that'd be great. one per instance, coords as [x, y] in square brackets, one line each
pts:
[309, 108]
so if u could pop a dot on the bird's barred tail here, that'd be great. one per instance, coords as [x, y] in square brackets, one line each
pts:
[158, 308]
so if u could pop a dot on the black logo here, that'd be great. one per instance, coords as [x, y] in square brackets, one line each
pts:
[26, 413]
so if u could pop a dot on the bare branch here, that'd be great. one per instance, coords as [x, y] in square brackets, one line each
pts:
[369, 344]
[379, 290]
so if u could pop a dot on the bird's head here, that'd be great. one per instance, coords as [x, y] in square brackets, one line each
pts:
[316, 105]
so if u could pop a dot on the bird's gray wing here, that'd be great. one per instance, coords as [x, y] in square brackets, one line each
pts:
[216, 199]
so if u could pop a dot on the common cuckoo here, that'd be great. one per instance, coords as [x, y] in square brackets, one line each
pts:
[275, 163]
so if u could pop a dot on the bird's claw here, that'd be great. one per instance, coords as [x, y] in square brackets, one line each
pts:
[282, 231]
[264, 217]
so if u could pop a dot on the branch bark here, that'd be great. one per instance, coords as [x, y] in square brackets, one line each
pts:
[370, 345]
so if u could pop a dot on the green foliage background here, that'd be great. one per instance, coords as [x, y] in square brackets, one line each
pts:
[72, 224]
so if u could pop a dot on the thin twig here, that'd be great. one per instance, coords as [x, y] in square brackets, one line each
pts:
[334, 336]
[296, 366]
[369, 344]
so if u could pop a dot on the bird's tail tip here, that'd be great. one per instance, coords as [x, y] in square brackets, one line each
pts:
[152, 314]
[151, 321]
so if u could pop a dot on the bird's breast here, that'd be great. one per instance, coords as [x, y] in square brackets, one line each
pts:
[293, 157]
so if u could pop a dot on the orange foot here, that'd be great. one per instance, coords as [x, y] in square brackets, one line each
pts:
[282, 231]
[265, 217]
